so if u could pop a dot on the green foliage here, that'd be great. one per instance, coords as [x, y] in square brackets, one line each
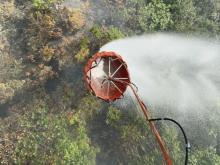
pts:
[114, 33]
[43, 4]
[186, 16]
[76, 19]
[204, 157]
[103, 35]
[44, 133]
[10, 68]
[89, 106]
[7, 90]
[48, 35]
[113, 116]
[97, 31]
[135, 16]
[173, 143]
[84, 50]
[138, 145]
[68, 95]
[197, 16]
[183, 15]
[131, 141]
[49, 138]
[47, 53]
[155, 16]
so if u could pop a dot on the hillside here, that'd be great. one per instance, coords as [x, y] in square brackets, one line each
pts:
[46, 114]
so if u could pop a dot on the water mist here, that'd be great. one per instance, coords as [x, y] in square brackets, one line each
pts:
[177, 73]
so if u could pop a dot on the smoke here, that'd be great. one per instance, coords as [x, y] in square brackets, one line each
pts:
[71, 3]
[174, 72]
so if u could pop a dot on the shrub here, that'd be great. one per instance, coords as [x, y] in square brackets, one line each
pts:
[204, 157]
[53, 139]
[7, 90]
[82, 54]
[114, 33]
[89, 107]
[155, 16]
[84, 50]
[113, 116]
[76, 19]
[102, 35]
[43, 4]
[47, 52]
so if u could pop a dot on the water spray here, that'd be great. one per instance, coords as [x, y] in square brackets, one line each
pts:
[107, 77]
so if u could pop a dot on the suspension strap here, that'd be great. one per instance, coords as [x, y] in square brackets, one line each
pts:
[152, 125]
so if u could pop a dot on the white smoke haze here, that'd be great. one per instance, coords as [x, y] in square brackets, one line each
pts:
[171, 70]
[71, 3]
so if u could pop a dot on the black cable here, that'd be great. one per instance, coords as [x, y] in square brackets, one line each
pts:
[187, 147]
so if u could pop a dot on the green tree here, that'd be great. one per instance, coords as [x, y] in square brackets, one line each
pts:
[183, 15]
[101, 35]
[204, 157]
[53, 139]
[128, 139]
[43, 4]
[155, 16]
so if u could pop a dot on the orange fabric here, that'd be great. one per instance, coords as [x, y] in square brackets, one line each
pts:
[154, 130]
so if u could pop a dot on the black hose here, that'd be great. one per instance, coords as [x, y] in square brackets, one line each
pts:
[187, 147]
